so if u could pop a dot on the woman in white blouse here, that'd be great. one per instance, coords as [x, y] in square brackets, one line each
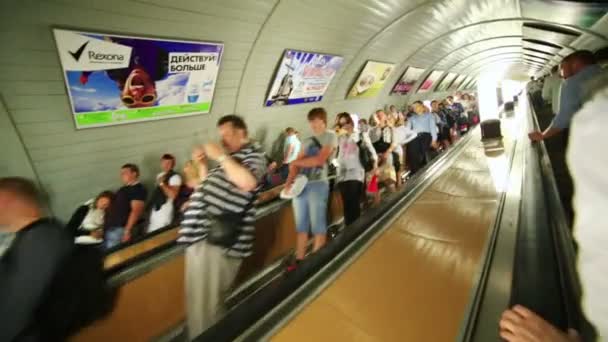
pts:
[351, 173]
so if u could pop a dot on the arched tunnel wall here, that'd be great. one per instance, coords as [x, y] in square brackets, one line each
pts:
[72, 165]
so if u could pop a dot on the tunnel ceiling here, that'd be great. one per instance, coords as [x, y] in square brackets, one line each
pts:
[464, 34]
[445, 35]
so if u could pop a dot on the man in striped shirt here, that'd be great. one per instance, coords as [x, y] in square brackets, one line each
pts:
[229, 188]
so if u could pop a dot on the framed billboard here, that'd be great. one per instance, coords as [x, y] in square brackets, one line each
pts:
[302, 77]
[446, 81]
[113, 79]
[407, 81]
[429, 81]
[371, 79]
[457, 82]
[465, 82]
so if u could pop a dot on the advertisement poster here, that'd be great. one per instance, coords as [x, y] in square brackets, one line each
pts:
[114, 79]
[446, 81]
[472, 85]
[371, 80]
[457, 82]
[407, 81]
[430, 80]
[302, 77]
[465, 82]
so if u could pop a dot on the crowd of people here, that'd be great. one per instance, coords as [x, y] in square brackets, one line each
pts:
[213, 199]
[399, 143]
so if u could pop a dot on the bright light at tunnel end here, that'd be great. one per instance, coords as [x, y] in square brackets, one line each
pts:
[488, 100]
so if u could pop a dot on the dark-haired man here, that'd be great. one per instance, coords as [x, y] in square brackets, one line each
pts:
[577, 69]
[229, 189]
[126, 209]
[32, 261]
[167, 188]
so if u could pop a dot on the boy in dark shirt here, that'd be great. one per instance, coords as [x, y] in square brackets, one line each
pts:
[30, 264]
[126, 209]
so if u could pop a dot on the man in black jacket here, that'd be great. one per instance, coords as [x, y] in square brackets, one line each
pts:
[27, 269]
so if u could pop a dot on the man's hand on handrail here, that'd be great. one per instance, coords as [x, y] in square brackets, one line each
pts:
[520, 324]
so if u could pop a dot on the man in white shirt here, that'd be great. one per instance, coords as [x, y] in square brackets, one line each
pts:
[292, 146]
[168, 185]
[588, 160]
[551, 89]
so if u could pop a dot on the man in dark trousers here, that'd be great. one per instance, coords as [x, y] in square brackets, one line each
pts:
[31, 263]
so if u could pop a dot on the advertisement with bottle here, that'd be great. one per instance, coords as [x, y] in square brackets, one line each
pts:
[371, 79]
[113, 79]
[302, 77]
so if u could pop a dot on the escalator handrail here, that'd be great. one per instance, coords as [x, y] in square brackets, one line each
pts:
[549, 261]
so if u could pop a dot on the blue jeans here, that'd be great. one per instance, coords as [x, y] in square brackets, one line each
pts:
[310, 208]
[113, 237]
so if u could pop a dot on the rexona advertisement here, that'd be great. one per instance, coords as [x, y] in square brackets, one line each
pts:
[371, 80]
[430, 80]
[302, 77]
[407, 81]
[115, 79]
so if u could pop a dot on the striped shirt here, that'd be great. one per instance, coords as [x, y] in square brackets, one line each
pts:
[217, 195]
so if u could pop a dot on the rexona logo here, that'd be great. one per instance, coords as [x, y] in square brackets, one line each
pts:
[96, 56]
[105, 57]
[76, 54]
[90, 52]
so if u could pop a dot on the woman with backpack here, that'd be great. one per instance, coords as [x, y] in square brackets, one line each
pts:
[355, 157]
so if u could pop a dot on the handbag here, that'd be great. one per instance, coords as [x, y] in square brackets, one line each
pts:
[365, 155]
[225, 229]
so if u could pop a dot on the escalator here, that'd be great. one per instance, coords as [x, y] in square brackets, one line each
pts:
[476, 233]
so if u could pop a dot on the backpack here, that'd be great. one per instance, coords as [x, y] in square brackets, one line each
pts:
[78, 296]
[365, 155]
[331, 169]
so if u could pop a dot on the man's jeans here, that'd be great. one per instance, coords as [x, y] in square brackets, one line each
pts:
[113, 237]
[310, 208]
